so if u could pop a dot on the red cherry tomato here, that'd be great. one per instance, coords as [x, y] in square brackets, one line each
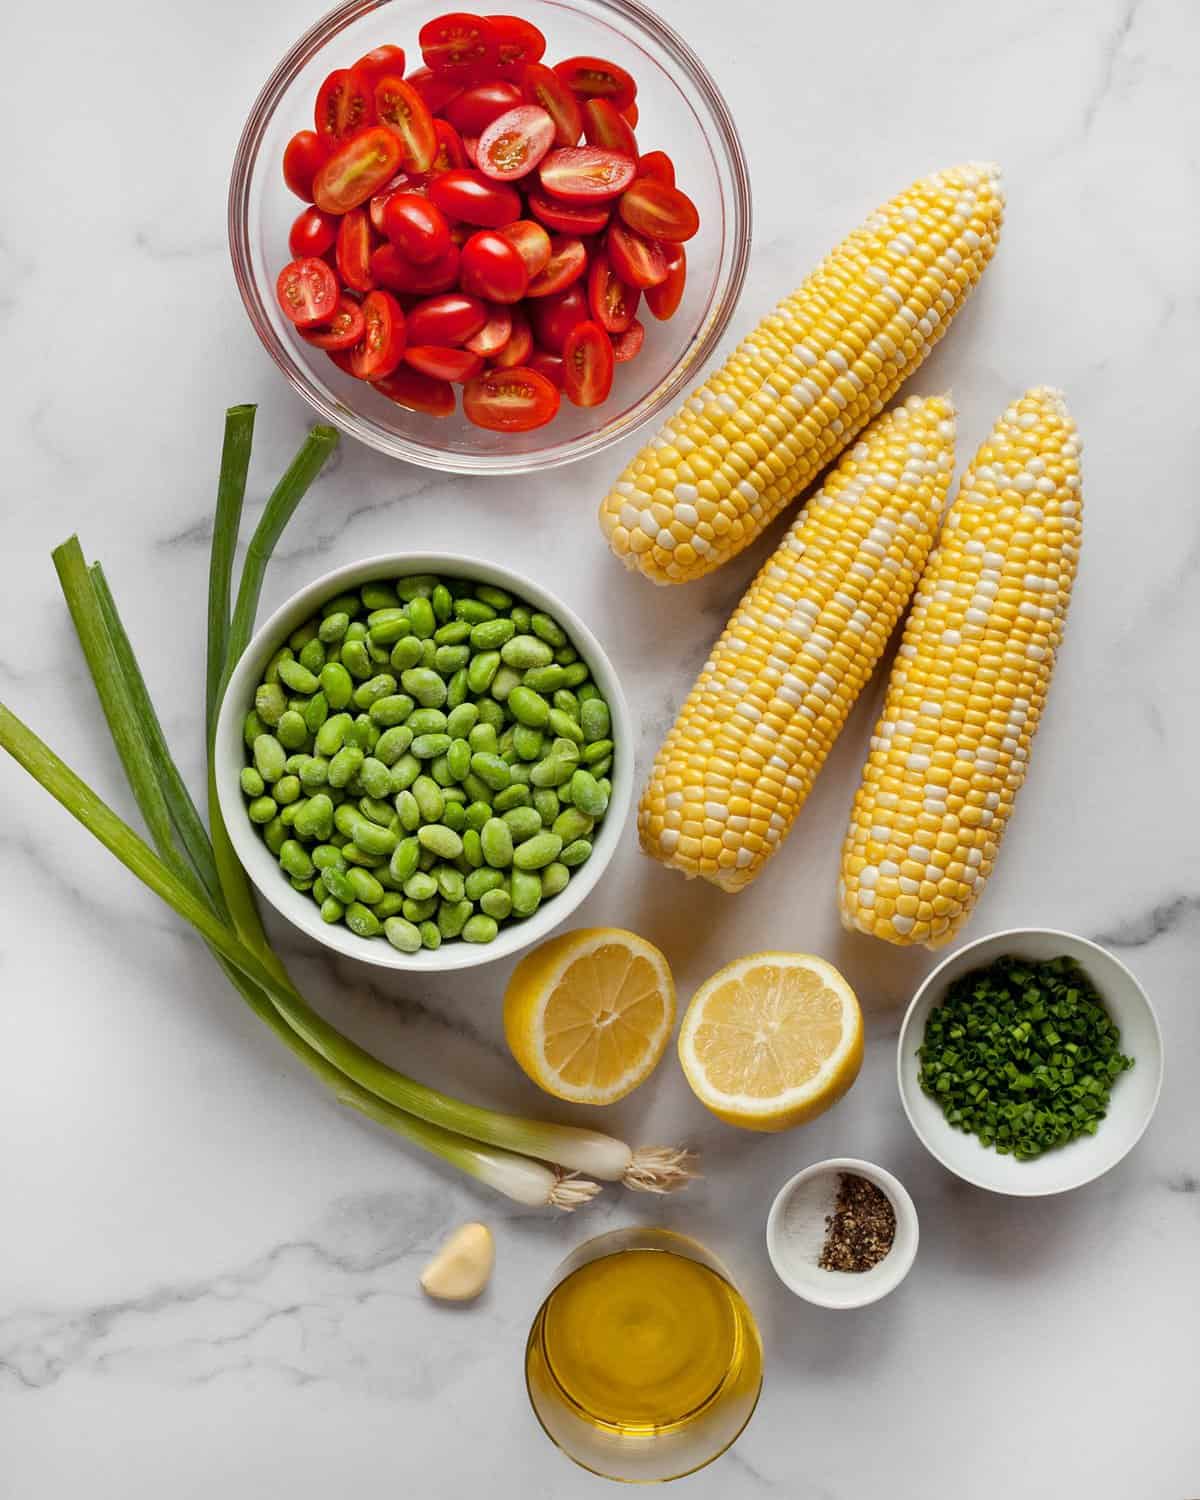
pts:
[492, 268]
[379, 62]
[452, 318]
[416, 227]
[437, 89]
[637, 261]
[658, 166]
[568, 218]
[547, 90]
[391, 269]
[554, 317]
[303, 157]
[604, 126]
[354, 250]
[613, 302]
[381, 347]
[597, 78]
[658, 211]
[449, 153]
[517, 42]
[403, 111]
[342, 331]
[401, 183]
[442, 362]
[416, 392]
[513, 145]
[342, 358]
[531, 242]
[549, 365]
[520, 343]
[582, 174]
[358, 169]
[475, 108]
[307, 291]
[494, 334]
[469, 195]
[663, 299]
[344, 106]
[567, 263]
[314, 232]
[626, 345]
[510, 400]
[458, 43]
[587, 365]
[632, 114]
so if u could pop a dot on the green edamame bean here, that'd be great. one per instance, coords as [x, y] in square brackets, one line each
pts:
[444, 842]
[391, 905]
[546, 804]
[595, 720]
[315, 819]
[252, 727]
[521, 617]
[512, 796]
[363, 733]
[571, 824]
[326, 857]
[525, 888]
[416, 586]
[449, 659]
[379, 595]
[419, 911]
[353, 855]
[451, 882]
[421, 617]
[318, 890]
[375, 777]
[544, 679]
[406, 653]
[553, 771]
[565, 726]
[269, 757]
[270, 703]
[576, 853]
[405, 858]
[452, 917]
[362, 921]
[454, 815]
[555, 878]
[297, 677]
[372, 839]
[491, 770]
[479, 882]
[287, 815]
[393, 743]
[251, 782]
[600, 770]
[356, 631]
[528, 707]
[402, 935]
[587, 794]
[332, 734]
[536, 852]
[492, 714]
[495, 839]
[481, 671]
[274, 835]
[457, 689]
[597, 751]
[427, 721]
[420, 886]
[294, 762]
[492, 634]
[286, 789]
[523, 823]
[476, 790]
[366, 888]
[426, 746]
[496, 904]
[429, 798]
[575, 673]
[293, 857]
[386, 626]
[262, 809]
[357, 659]
[337, 685]
[431, 936]
[458, 759]
[424, 684]
[494, 596]
[567, 702]
[477, 815]
[332, 911]
[316, 712]
[519, 771]
[381, 685]
[452, 634]
[345, 764]
[461, 720]
[333, 627]
[439, 769]
[526, 651]
[312, 655]
[548, 629]
[480, 929]
[587, 690]
[345, 604]
[405, 771]
[483, 737]
[408, 811]
[503, 683]
[566, 655]
[473, 611]
[506, 749]
[391, 710]
[527, 742]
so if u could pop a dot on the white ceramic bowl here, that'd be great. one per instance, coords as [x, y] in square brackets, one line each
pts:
[808, 1196]
[1134, 1095]
[260, 864]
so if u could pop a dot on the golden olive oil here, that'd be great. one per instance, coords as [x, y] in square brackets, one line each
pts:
[644, 1341]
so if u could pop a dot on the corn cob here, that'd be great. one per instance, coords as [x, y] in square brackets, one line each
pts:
[811, 376]
[966, 692]
[746, 748]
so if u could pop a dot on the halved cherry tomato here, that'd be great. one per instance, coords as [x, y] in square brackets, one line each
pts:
[520, 343]
[342, 331]
[449, 153]
[314, 232]
[381, 347]
[604, 126]
[663, 299]
[582, 174]
[344, 106]
[475, 108]
[546, 89]
[517, 42]
[403, 182]
[494, 334]
[359, 168]
[458, 43]
[568, 218]
[437, 89]
[443, 363]
[470, 144]
[513, 145]
[354, 250]
[587, 365]
[626, 345]
[597, 78]
[492, 267]
[379, 62]
[632, 114]
[554, 317]
[510, 400]
[416, 227]
[403, 111]
[613, 301]
[303, 157]
[308, 291]
[469, 195]
[567, 263]
[531, 242]
[416, 392]
[549, 365]
[658, 166]
[391, 269]
[636, 260]
[658, 211]
[452, 318]
[341, 358]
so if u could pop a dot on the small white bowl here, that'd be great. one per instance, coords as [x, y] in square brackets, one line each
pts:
[1134, 1096]
[795, 1248]
[262, 867]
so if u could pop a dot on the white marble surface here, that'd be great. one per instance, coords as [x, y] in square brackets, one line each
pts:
[208, 1270]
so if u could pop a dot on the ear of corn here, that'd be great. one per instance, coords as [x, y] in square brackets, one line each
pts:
[809, 377]
[952, 747]
[736, 768]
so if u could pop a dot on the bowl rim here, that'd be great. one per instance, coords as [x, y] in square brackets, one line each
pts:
[874, 1288]
[737, 206]
[296, 906]
[1015, 934]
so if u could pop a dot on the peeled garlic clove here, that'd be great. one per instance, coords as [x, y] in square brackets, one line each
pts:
[461, 1268]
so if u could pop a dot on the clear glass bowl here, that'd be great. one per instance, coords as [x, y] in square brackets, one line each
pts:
[682, 112]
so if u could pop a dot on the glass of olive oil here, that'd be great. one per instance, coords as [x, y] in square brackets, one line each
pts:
[644, 1362]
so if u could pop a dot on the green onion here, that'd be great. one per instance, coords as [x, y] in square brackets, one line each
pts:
[231, 492]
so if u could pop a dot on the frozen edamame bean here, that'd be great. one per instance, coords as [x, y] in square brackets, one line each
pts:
[512, 796]
[496, 904]
[262, 809]
[405, 858]
[268, 757]
[480, 929]
[444, 842]
[495, 839]
[252, 783]
[595, 720]
[523, 823]
[555, 877]
[576, 853]
[525, 889]
[536, 852]
[528, 707]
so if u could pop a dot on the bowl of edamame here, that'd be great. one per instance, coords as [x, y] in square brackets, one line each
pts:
[424, 761]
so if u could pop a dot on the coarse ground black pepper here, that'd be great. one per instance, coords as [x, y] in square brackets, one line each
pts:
[860, 1231]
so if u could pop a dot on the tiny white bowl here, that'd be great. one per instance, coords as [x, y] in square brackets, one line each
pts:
[1134, 1095]
[795, 1259]
[262, 867]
